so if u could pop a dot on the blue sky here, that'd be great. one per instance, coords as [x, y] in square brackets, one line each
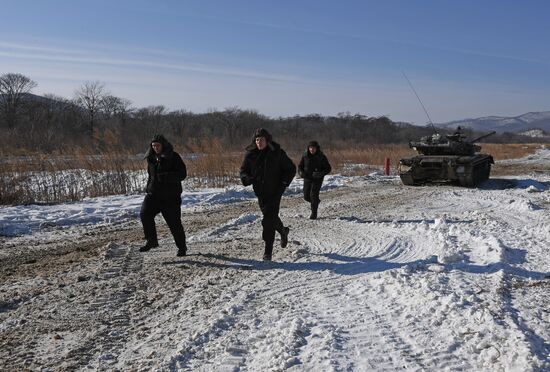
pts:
[283, 58]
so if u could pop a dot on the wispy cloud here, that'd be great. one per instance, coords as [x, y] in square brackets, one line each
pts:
[32, 53]
[119, 56]
[18, 46]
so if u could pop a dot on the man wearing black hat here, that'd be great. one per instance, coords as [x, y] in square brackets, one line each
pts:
[269, 170]
[313, 167]
[166, 170]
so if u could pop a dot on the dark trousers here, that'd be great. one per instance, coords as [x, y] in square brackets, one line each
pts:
[311, 191]
[170, 208]
[271, 221]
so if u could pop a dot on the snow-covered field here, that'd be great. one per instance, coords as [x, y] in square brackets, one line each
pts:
[390, 277]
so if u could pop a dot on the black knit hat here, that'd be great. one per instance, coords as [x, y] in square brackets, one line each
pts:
[262, 132]
[313, 144]
[167, 147]
[159, 138]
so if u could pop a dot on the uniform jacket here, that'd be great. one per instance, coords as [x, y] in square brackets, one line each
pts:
[269, 171]
[166, 170]
[314, 167]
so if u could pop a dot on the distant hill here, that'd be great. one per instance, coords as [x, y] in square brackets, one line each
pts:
[33, 98]
[522, 123]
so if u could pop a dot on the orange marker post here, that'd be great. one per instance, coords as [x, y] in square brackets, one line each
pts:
[387, 166]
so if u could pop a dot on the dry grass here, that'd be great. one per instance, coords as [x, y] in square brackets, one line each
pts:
[66, 178]
[71, 174]
[516, 151]
[211, 165]
[510, 151]
[361, 161]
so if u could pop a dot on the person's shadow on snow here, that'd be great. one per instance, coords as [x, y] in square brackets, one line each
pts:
[348, 265]
[343, 265]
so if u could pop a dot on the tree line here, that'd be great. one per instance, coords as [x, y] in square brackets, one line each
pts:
[94, 118]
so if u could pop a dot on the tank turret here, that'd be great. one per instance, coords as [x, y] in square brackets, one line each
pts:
[450, 144]
[448, 158]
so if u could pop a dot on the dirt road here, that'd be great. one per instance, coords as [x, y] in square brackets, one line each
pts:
[389, 277]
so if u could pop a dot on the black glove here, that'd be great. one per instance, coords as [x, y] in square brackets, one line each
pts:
[317, 174]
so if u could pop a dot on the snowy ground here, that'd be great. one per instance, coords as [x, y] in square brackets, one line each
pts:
[390, 277]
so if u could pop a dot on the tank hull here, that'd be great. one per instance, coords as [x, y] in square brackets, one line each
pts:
[468, 171]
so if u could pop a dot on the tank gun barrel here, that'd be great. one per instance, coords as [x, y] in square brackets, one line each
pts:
[482, 137]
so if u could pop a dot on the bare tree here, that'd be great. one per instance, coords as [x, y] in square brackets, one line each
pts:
[13, 88]
[153, 117]
[90, 97]
[230, 119]
[57, 114]
[116, 106]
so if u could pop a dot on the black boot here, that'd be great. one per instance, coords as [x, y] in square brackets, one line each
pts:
[147, 247]
[268, 251]
[284, 236]
[182, 251]
[313, 215]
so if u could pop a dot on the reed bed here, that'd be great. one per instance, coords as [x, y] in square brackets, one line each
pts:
[209, 164]
[501, 151]
[360, 161]
[75, 174]
[70, 176]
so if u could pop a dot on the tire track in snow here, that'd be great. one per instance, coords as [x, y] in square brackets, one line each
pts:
[538, 345]
[218, 343]
[409, 245]
[342, 261]
[111, 311]
[374, 352]
[519, 226]
[307, 319]
[296, 313]
[236, 348]
[192, 353]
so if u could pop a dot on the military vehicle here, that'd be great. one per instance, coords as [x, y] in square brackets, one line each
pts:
[446, 159]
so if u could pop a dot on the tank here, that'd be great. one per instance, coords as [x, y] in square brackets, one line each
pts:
[446, 159]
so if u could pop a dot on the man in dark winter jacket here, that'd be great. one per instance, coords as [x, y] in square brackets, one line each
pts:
[269, 170]
[313, 167]
[166, 170]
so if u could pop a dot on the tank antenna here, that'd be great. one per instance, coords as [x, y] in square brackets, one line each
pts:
[421, 104]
